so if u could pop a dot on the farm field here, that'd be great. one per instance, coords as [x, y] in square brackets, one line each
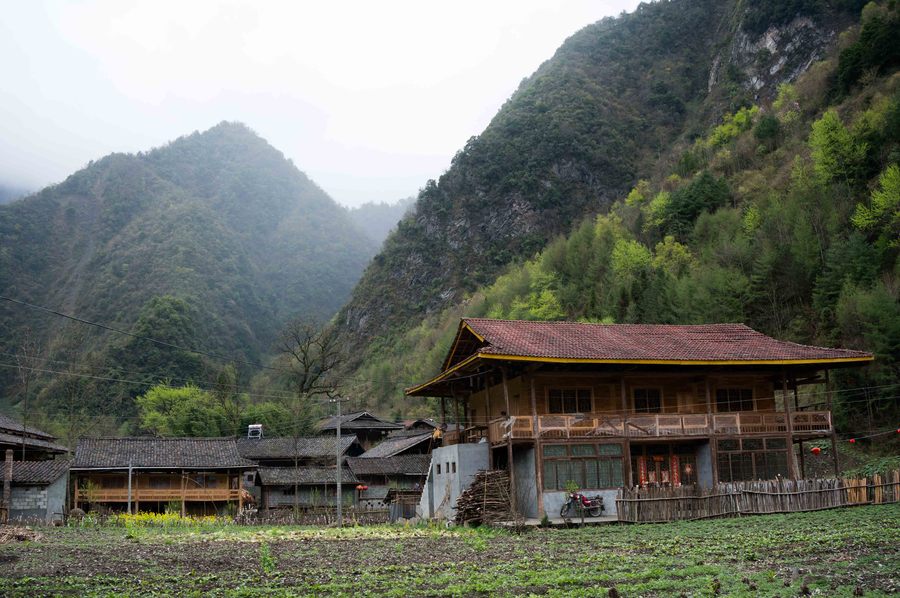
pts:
[845, 552]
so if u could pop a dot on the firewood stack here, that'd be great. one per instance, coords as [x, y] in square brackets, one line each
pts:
[486, 500]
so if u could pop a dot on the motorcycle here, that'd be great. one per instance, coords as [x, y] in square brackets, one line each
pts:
[592, 505]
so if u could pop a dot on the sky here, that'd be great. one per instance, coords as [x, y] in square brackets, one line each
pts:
[370, 99]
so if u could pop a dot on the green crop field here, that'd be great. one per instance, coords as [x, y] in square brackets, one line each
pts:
[845, 552]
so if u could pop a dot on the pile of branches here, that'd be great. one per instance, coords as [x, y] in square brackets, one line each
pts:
[486, 500]
[18, 534]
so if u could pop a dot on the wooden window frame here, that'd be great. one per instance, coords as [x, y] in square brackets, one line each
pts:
[715, 397]
[597, 457]
[662, 399]
[576, 388]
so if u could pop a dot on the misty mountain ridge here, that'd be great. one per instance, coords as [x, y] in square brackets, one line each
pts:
[215, 238]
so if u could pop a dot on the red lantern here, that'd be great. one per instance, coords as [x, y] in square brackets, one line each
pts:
[815, 450]
[365, 487]
[359, 487]
[852, 441]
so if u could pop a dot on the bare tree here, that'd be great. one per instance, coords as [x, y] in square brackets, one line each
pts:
[26, 361]
[315, 356]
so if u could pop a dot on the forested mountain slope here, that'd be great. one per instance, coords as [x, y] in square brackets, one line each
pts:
[604, 112]
[213, 241]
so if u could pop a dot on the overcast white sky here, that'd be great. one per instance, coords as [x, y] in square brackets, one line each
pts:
[369, 98]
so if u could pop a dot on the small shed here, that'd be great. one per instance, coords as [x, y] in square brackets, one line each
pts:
[38, 490]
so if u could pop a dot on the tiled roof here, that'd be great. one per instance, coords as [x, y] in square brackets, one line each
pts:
[361, 420]
[39, 473]
[307, 447]
[398, 465]
[32, 443]
[163, 453]
[393, 446]
[284, 476]
[9, 425]
[652, 342]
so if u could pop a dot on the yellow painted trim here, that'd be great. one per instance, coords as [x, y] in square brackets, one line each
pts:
[462, 326]
[469, 328]
[497, 356]
[674, 361]
[442, 375]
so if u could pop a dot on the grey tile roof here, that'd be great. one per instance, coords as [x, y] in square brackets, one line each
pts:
[286, 476]
[307, 447]
[39, 473]
[32, 443]
[393, 446]
[361, 420]
[9, 425]
[161, 453]
[413, 465]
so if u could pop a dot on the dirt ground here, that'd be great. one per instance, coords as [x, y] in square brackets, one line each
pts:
[844, 552]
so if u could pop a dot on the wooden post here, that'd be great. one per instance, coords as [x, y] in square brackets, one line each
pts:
[7, 484]
[713, 442]
[240, 488]
[75, 493]
[488, 416]
[183, 489]
[443, 412]
[834, 449]
[624, 396]
[789, 434]
[509, 447]
[796, 410]
[456, 416]
[538, 453]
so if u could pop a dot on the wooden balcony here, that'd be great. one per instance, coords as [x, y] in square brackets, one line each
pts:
[639, 425]
[156, 495]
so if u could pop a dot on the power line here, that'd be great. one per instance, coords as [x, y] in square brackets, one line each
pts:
[141, 337]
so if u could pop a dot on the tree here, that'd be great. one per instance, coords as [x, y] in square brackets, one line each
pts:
[882, 215]
[26, 362]
[837, 155]
[315, 355]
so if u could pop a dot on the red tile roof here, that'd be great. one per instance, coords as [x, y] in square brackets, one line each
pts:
[643, 342]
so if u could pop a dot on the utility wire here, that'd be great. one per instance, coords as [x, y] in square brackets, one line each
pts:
[138, 336]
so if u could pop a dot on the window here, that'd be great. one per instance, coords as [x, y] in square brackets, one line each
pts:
[647, 400]
[113, 482]
[734, 399]
[453, 465]
[569, 400]
[752, 459]
[590, 466]
[437, 469]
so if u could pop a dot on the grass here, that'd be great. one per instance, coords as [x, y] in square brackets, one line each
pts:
[829, 553]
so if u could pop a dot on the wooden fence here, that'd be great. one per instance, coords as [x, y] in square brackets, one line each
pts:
[658, 505]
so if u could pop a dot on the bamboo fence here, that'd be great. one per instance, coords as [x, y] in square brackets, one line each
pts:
[688, 503]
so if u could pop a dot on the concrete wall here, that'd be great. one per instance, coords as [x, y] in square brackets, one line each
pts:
[38, 503]
[443, 489]
[553, 501]
[704, 465]
[526, 483]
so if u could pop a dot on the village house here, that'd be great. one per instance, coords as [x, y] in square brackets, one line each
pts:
[201, 475]
[298, 471]
[605, 406]
[38, 444]
[37, 490]
[368, 428]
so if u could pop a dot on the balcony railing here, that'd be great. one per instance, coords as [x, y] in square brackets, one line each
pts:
[641, 425]
[156, 494]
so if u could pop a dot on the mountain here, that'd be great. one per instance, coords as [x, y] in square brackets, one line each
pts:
[10, 193]
[379, 219]
[602, 113]
[213, 241]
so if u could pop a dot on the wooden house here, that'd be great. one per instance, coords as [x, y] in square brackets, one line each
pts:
[304, 466]
[605, 406]
[202, 475]
[369, 429]
[37, 444]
